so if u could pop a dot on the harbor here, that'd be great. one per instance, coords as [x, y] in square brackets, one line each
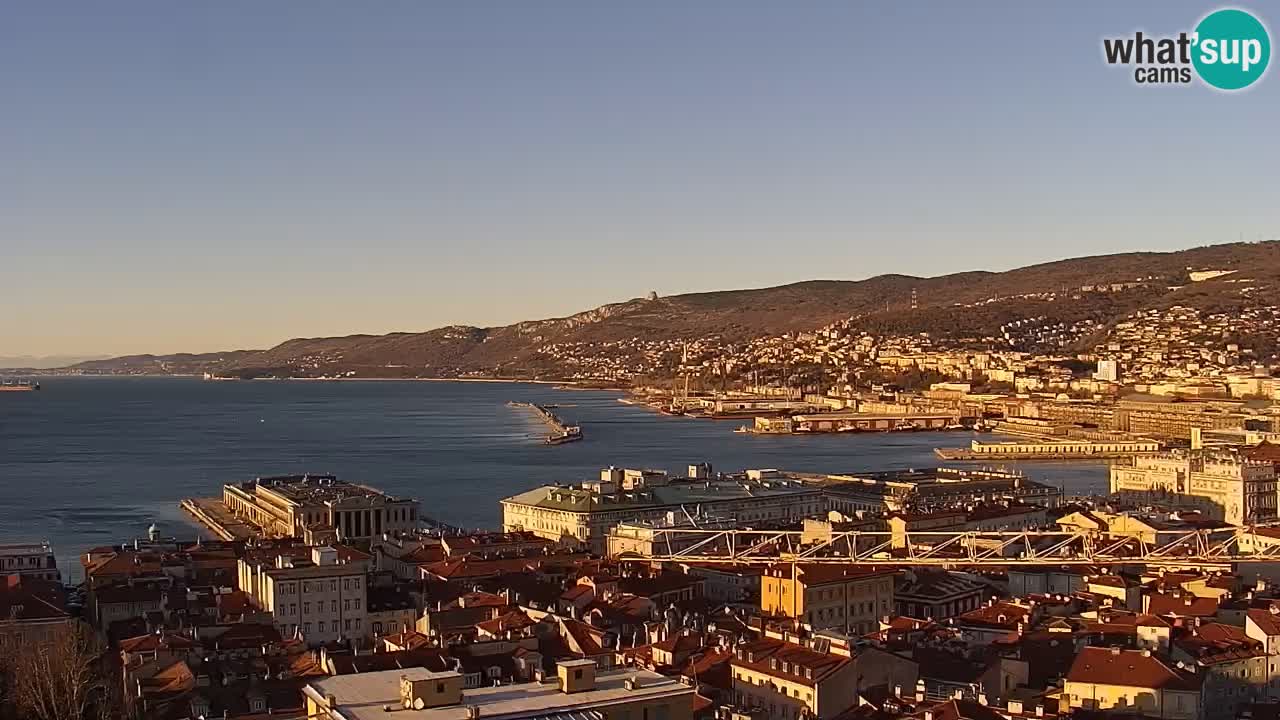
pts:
[561, 431]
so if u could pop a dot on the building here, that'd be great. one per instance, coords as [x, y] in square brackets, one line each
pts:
[576, 691]
[319, 508]
[935, 594]
[1108, 371]
[1222, 485]
[584, 515]
[323, 600]
[34, 560]
[817, 677]
[32, 610]
[829, 596]
[1131, 682]
[933, 489]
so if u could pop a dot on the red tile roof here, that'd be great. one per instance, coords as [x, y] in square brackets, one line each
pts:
[1267, 620]
[787, 661]
[1132, 668]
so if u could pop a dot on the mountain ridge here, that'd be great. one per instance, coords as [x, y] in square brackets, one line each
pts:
[964, 304]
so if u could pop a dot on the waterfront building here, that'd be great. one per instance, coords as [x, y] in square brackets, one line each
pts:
[933, 488]
[829, 596]
[1062, 448]
[34, 560]
[584, 515]
[323, 599]
[575, 691]
[319, 508]
[1223, 485]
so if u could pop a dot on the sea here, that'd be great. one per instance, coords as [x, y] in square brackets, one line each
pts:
[91, 461]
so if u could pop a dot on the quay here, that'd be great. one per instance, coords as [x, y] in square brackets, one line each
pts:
[1050, 450]
[561, 432]
[214, 515]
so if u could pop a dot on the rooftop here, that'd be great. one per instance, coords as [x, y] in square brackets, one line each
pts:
[361, 696]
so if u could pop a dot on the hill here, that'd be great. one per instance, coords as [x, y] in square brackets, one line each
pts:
[962, 307]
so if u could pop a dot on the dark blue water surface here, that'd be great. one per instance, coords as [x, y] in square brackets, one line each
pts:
[94, 461]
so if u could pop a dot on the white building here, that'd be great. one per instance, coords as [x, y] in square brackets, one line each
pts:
[324, 600]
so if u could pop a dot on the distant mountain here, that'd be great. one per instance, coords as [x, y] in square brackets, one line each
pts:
[177, 364]
[43, 362]
[959, 306]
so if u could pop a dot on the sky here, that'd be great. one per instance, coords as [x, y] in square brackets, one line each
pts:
[207, 176]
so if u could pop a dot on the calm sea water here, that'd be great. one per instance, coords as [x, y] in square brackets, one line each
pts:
[94, 461]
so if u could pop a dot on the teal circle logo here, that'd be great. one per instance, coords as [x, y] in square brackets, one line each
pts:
[1231, 49]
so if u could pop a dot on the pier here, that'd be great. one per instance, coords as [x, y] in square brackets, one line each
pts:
[213, 514]
[561, 432]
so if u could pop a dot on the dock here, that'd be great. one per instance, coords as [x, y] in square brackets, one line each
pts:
[213, 514]
[561, 431]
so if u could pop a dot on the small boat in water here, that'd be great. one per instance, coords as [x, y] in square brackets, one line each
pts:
[742, 429]
[19, 386]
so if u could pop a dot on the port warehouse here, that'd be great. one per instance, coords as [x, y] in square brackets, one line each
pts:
[586, 513]
[837, 421]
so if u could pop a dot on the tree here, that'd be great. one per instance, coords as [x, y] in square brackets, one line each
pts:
[61, 678]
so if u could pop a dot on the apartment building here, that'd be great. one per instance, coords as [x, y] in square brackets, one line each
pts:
[33, 560]
[829, 596]
[791, 677]
[1131, 682]
[323, 600]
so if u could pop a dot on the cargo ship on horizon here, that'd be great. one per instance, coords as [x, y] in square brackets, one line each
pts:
[18, 385]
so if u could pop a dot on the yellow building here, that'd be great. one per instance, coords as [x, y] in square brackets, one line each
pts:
[1224, 486]
[1131, 682]
[576, 689]
[813, 678]
[829, 596]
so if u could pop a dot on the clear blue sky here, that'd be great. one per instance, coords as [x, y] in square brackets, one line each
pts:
[200, 176]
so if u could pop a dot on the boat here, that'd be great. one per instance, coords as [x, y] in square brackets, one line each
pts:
[742, 429]
[19, 386]
[572, 433]
[955, 426]
[905, 426]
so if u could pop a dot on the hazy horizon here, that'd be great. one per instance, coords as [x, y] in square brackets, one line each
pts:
[211, 178]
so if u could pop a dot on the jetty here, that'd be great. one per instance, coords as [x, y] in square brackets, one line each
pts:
[213, 514]
[561, 431]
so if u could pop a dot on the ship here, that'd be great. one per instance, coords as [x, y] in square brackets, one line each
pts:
[571, 433]
[19, 386]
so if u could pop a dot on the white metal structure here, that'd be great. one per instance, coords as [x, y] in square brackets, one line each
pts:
[971, 548]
